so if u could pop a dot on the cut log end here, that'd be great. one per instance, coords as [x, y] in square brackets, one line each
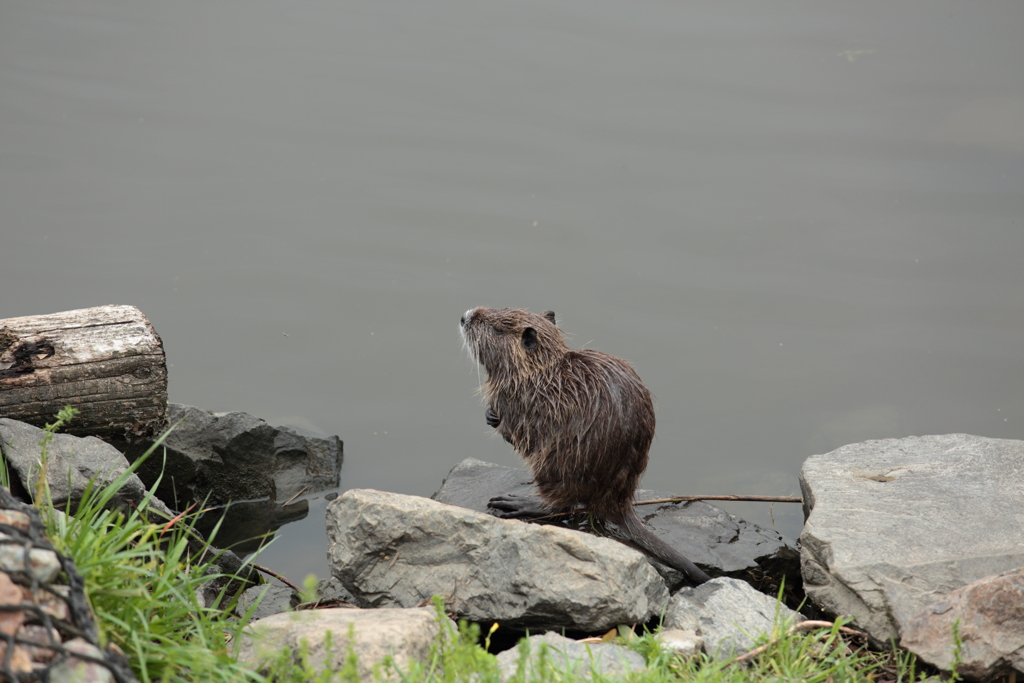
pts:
[108, 362]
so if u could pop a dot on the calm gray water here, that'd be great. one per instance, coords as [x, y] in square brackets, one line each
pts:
[802, 222]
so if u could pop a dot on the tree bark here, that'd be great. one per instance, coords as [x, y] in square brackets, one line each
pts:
[108, 362]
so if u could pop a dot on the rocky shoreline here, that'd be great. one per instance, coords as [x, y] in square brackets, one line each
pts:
[907, 536]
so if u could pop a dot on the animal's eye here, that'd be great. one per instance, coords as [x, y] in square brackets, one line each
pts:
[529, 339]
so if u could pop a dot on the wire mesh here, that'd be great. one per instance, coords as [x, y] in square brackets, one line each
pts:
[46, 628]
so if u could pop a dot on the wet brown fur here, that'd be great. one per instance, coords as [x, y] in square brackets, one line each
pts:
[583, 420]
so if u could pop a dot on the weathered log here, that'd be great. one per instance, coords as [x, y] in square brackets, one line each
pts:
[108, 362]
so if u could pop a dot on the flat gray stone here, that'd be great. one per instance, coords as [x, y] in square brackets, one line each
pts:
[472, 483]
[398, 551]
[728, 614]
[565, 658]
[683, 642]
[405, 634]
[897, 524]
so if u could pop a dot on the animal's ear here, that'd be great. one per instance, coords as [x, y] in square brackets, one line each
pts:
[550, 315]
[529, 339]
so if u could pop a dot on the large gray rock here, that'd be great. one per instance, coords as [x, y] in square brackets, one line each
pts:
[896, 524]
[405, 634]
[71, 462]
[566, 659]
[720, 543]
[728, 614]
[235, 456]
[395, 550]
[989, 617]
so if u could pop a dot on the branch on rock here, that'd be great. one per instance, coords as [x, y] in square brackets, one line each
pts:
[277, 576]
[755, 499]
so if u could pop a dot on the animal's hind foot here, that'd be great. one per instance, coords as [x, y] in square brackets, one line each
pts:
[511, 506]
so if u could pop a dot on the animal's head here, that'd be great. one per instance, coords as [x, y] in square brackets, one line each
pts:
[511, 342]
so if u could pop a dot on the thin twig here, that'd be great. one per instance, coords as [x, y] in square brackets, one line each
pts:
[755, 499]
[277, 576]
[323, 604]
[304, 489]
[177, 519]
[802, 626]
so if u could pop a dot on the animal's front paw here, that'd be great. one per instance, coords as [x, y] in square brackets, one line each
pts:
[492, 418]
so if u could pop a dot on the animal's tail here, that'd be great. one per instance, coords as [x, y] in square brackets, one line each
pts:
[660, 550]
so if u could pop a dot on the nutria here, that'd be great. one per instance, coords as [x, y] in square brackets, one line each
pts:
[582, 420]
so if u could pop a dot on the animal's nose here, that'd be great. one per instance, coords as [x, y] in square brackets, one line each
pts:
[462, 321]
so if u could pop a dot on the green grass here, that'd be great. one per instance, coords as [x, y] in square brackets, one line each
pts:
[823, 655]
[142, 583]
[142, 586]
